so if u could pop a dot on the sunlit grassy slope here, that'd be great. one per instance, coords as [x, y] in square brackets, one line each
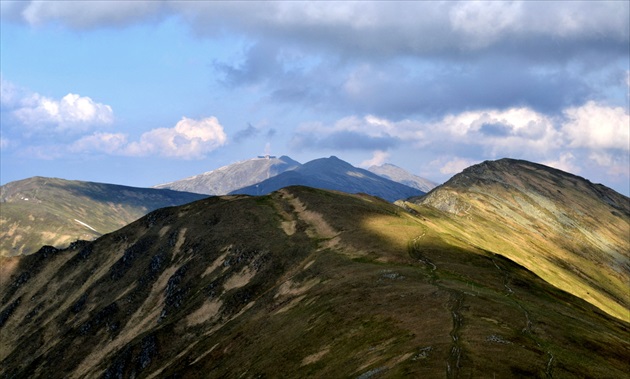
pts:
[298, 283]
[47, 211]
[571, 232]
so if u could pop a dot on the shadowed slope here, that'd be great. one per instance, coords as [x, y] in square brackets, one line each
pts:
[299, 283]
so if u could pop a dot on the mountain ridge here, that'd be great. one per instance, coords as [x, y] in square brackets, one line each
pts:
[333, 174]
[397, 174]
[298, 283]
[539, 210]
[223, 180]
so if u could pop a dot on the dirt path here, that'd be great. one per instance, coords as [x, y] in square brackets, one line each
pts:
[455, 303]
[454, 358]
[527, 329]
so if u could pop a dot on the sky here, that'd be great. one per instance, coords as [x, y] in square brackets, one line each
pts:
[146, 92]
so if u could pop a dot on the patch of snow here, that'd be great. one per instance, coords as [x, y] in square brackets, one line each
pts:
[86, 225]
[355, 174]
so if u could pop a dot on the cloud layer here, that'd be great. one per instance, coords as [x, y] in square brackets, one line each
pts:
[37, 113]
[392, 59]
[592, 131]
[374, 28]
[188, 139]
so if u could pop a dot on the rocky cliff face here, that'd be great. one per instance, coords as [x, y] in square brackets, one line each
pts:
[298, 283]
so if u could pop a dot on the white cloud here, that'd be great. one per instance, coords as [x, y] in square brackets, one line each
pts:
[592, 139]
[34, 112]
[188, 139]
[494, 133]
[368, 125]
[614, 164]
[110, 143]
[378, 158]
[456, 165]
[82, 14]
[565, 162]
[597, 126]
[10, 94]
[515, 121]
[485, 22]
[72, 112]
[509, 132]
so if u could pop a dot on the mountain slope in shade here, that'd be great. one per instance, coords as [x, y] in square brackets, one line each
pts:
[237, 175]
[47, 211]
[333, 174]
[298, 283]
[569, 231]
[397, 174]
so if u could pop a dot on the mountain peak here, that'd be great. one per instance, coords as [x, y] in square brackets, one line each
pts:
[236, 175]
[334, 174]
[533, 178]
[397, 174]
[332, 160]
[535, 210]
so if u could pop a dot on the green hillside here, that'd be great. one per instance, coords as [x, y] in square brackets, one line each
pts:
[47, 211]
[572, 233]
[299, 283]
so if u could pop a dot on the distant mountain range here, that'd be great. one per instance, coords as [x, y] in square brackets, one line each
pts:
[333, 174]
[262, 175]
[510, 269]
[397, 174]
[48, 211]
[232, 177]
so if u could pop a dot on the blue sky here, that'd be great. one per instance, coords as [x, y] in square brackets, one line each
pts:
[142, 93]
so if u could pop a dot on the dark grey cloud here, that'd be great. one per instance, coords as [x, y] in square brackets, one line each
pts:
[453, 29]
[371, 30]
[344, 140]
[246, 133]
[409, 87]
[85, 15]
[260, 64]
[251, 132]
[411, 58]
[414, 59]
